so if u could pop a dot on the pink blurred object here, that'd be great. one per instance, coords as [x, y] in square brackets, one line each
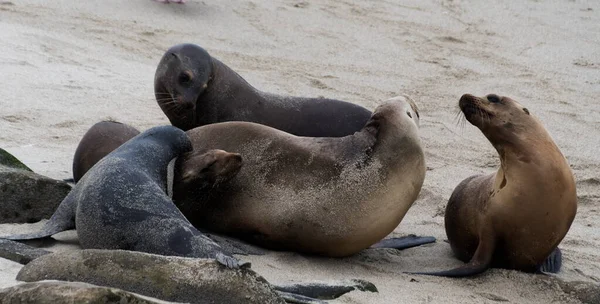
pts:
[169, 1]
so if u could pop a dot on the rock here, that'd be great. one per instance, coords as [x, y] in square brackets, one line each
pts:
[68, 293]
[27, 197]
[167, 278]
[19, 252]
[587, 293]
[10, 161]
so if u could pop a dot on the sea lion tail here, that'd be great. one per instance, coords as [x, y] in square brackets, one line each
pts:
[62, 219]
[553, 262]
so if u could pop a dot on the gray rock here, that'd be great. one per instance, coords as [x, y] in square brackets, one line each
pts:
[27, 197]
[164, 277]
[19, 252]
[10, 161]
[68, 293]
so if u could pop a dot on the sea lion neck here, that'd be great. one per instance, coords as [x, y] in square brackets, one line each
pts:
[531, 158]
[227, 82]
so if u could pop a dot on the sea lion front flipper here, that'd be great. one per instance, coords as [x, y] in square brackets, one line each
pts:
[404, 242]
[480, 261]
[62, 219]
[553, 262]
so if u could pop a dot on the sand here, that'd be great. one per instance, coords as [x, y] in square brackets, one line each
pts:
[65, 65]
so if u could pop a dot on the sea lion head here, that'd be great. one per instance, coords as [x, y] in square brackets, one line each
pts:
[400, 112]
[394, 126]
[207, 169]
[500, 118]
[181, 77]
[169, 136]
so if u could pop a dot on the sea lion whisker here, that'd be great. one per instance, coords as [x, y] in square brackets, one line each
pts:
[165, 99]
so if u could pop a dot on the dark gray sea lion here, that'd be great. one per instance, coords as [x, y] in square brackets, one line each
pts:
[101, 139]
[516, 217]
[194, 89]
[329, 196]
[121, 203]
[204, 170]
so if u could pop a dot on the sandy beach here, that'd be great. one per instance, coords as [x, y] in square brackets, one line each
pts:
[65, 65]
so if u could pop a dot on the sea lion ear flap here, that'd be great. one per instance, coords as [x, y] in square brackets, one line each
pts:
[526, 111]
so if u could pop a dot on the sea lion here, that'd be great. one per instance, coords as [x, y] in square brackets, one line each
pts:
[330, 196]
[101, 139]
[194, 89]
[206, 171]
[516, 217]
[121, 203]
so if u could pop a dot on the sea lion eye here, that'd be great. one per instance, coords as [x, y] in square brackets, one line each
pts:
[526, 111]
[408, 113]
[185, 77]
[493, 98]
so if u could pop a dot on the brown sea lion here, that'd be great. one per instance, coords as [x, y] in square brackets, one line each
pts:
[194, 89]
[101, 139]
[516, 217]
[331, 196]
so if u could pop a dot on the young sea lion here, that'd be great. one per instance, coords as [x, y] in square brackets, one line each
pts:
[331, 196]
[516, 217]
[121, 203]
[194, 89]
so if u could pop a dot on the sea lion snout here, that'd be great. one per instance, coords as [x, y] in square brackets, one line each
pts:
[465, 100]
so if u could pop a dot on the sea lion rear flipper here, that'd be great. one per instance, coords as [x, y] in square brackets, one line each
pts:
[62, 219]
[326, 291]
[553, 262]
[298, 299]
[480, 261]
[404, 242]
